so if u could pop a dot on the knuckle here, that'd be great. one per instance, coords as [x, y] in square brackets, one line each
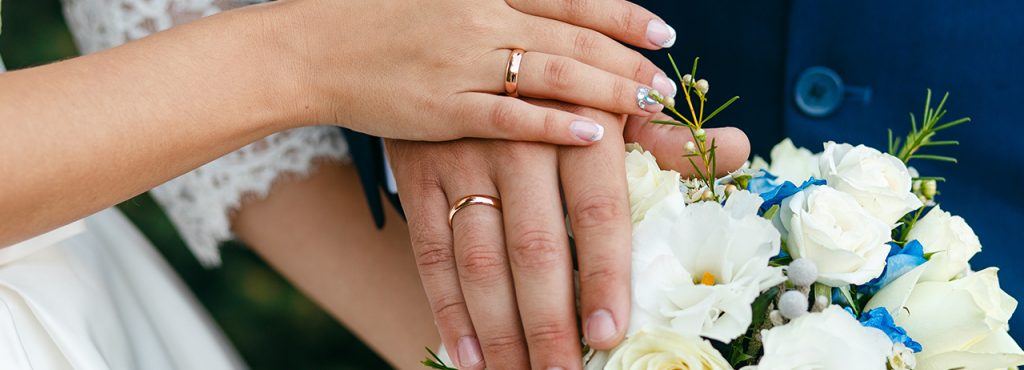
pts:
[503, 344]
[549, 333]
[623, 93]
[600, 273]
[538, 249]
[558, 72]
[642, 68]
[434, 256]
[482, 263]
[502, 115]
[585, 44]
[597, 210]
[450, 309]
[627, 19]
[575, 9]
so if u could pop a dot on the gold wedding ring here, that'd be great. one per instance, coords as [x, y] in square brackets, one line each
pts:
[515, 58]
[471, 200]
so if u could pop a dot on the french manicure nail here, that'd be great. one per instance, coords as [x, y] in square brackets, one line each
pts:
[469, 352]
[664, 85]
[587, 130]
[661, 34]
[600, 326]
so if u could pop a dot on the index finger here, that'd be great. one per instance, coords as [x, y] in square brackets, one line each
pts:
[619, 19]
[594, 183]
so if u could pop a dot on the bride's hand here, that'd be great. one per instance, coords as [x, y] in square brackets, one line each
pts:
[485, 316]
[434, 70]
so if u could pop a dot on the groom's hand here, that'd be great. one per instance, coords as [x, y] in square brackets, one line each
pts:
[500, 283]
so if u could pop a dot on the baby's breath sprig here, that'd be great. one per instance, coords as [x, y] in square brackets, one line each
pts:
[920, 137]
[694, 89]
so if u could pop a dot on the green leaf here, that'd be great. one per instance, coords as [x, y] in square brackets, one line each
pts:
[940, 158]
[671, 123]
[760, 306]
[720, 108]
[940, 143]
[770, 213]
[434, 361]
[954, 123]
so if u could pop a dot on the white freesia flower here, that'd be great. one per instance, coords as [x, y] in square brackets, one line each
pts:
[790, 163]
[698, 267]
[831, 339]
[961, 324]
[879, 181]
[952, 241]
[831, 229]
[648, 184]
[660, 349]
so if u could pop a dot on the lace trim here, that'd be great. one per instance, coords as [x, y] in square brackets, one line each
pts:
[201, 202]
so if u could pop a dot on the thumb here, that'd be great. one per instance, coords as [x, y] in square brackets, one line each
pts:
[668, 144]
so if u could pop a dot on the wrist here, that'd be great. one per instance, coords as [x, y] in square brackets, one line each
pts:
[281, 95]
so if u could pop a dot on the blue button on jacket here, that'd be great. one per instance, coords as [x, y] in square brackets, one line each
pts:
[888, 52]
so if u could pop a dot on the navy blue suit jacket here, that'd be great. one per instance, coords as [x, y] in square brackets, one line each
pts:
[973, 49]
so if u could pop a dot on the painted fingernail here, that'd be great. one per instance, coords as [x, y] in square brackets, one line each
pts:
[664, 85]
[660, 33]
[601, 326]
[645, 101]
[469, 352]
[587, 130]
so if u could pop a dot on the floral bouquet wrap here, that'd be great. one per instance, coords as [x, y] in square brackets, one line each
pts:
[834, 260]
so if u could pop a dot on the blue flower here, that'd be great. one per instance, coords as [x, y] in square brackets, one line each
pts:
[879, 318]
[899, 262]
[774, 191]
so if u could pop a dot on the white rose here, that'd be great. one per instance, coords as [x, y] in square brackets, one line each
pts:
[952, 241]
[831, 229]
[790, 163]
[648, 184]
[961, 324]
[661, 349]
[879, 181]
[697, 268]
[831, 339]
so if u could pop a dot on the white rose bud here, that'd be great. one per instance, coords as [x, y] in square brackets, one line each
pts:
[961, 324]
[648, 184]
[700, 134]
[691, 147]
[663, 349]
[687, 79]
[880, 182]
[799, 344]
[828, 227]
[949, 239]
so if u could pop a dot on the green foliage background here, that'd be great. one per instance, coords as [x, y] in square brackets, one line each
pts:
[273, 325]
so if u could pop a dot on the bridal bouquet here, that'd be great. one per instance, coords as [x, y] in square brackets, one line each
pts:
[834, 260]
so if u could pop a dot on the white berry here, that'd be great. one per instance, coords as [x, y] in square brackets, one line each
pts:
[802, 272]
[793, 304]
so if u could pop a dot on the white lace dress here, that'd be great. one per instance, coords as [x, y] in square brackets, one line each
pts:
[201, 202]
[95, 294]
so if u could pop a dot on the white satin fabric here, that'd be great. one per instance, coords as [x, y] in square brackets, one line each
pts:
[96, 295]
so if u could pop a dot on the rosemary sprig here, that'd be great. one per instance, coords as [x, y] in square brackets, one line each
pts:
[920, 137]
[692, 90]
[434, 362]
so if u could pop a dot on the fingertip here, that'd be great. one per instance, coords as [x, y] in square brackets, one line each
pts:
[601, 330]
[733, 148]
[586, 131]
